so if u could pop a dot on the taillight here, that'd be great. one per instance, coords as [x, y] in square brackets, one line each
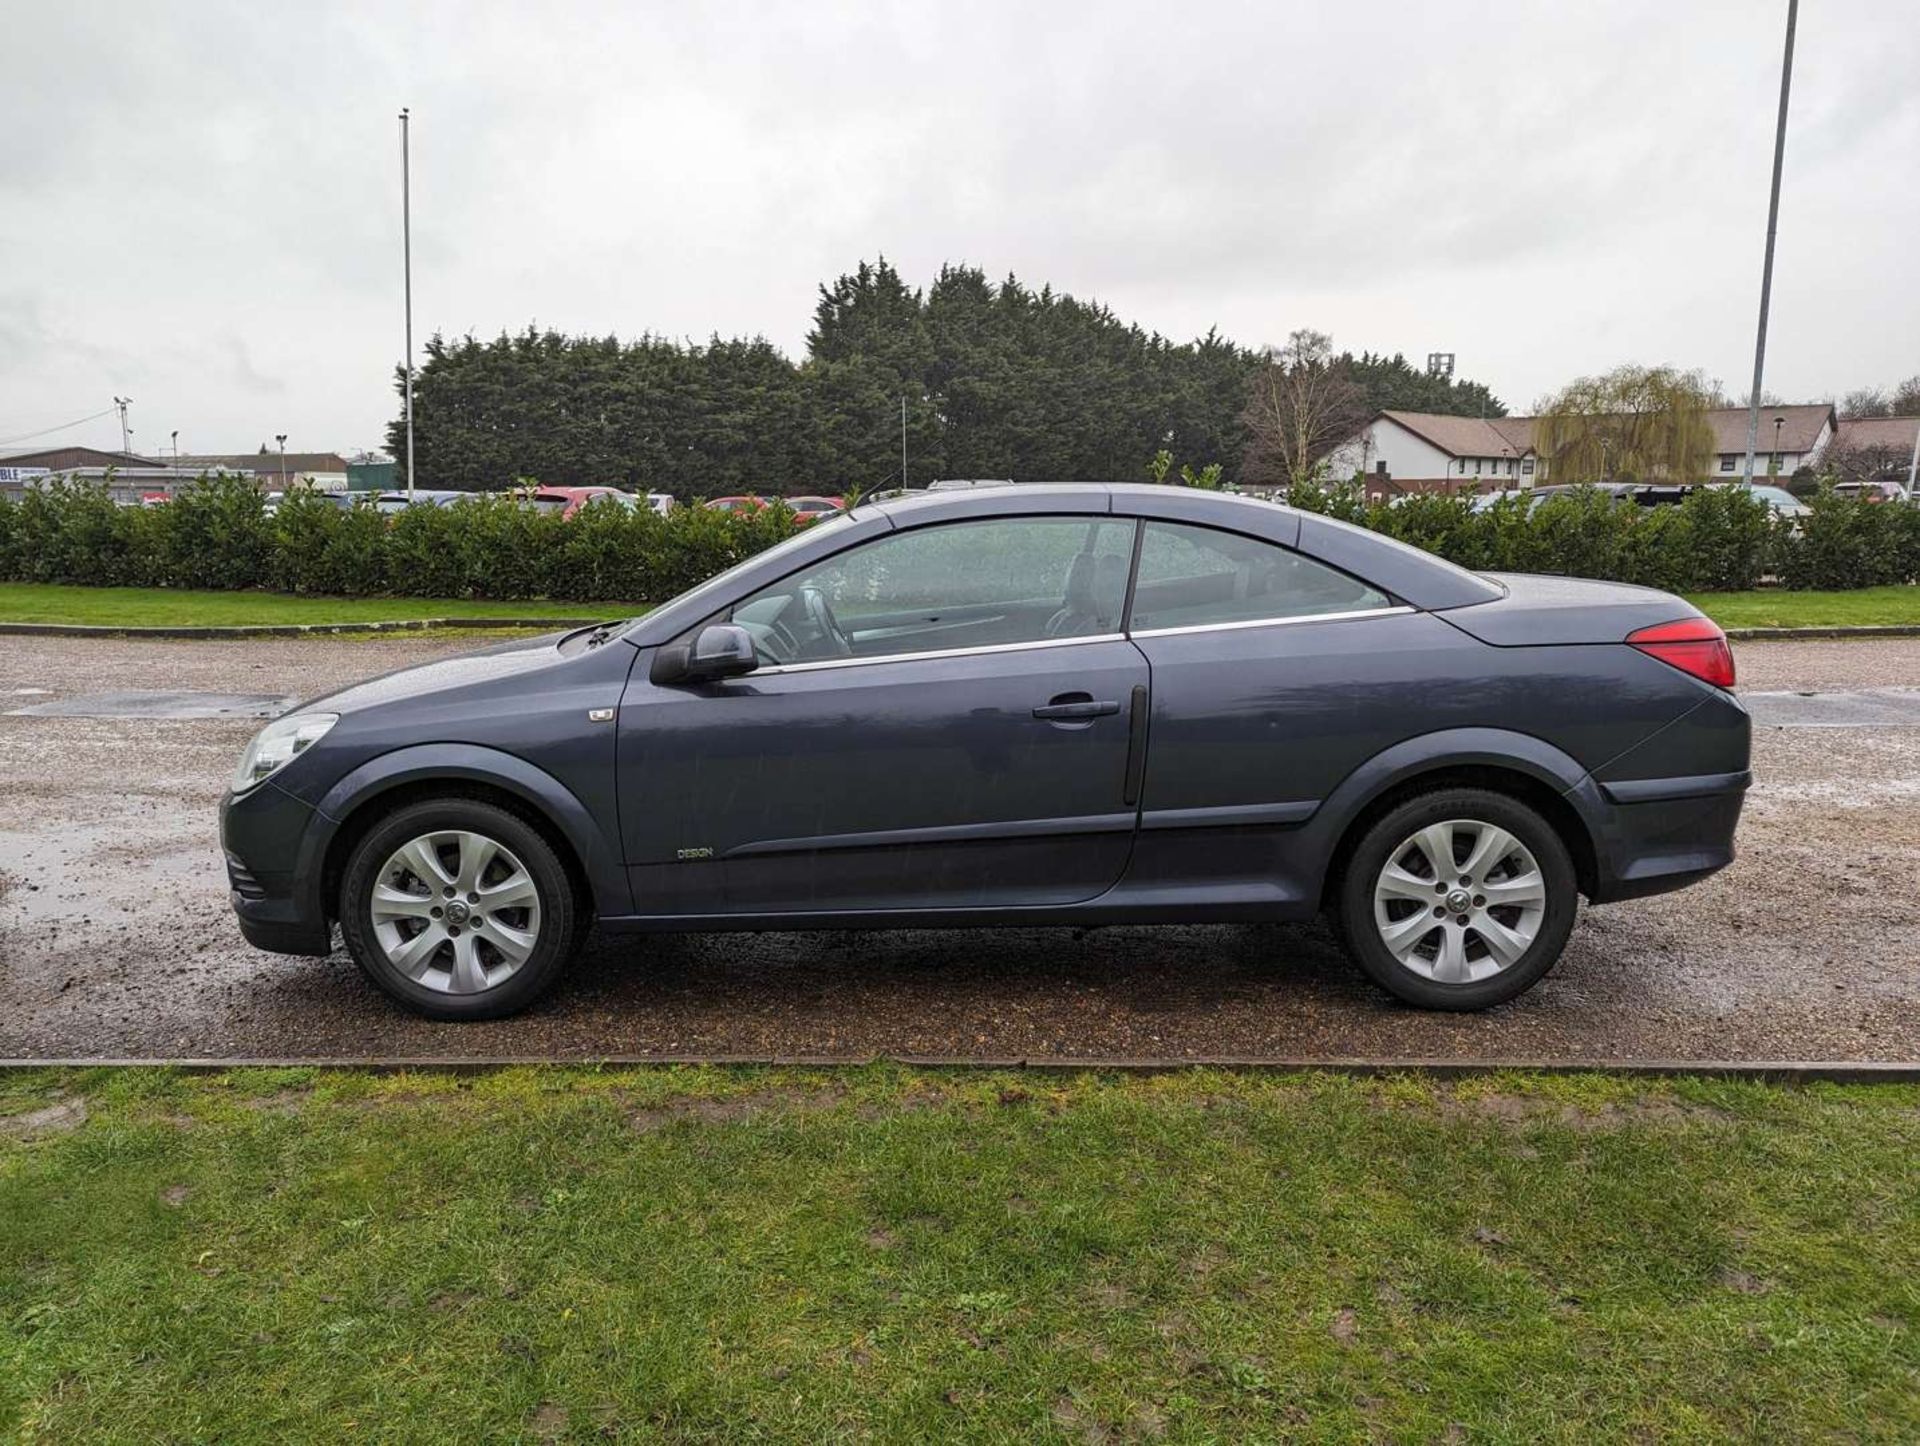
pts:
[1693, 645]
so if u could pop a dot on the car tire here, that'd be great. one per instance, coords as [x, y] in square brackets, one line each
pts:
[427, 938]
[1496, 920]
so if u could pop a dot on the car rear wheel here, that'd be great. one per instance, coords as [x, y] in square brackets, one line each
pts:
[458, 909]
[1458, 899]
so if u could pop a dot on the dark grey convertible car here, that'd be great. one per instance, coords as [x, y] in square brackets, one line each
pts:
[1026, 705]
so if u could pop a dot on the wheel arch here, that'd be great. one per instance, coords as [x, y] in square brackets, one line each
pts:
[358, 801]
[1517, 765]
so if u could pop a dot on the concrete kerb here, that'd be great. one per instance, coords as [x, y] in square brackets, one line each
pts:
[1771, 1071]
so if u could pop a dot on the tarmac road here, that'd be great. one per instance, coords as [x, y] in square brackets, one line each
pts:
[116, 939]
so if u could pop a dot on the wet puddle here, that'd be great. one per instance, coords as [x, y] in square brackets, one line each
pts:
[140, 704]
[1866, 708]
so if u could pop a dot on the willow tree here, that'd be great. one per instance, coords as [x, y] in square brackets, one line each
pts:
[1635, 424]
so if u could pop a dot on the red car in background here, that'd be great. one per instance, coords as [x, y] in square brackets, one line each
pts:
[814, 509]
[569, 500]
[806, 509]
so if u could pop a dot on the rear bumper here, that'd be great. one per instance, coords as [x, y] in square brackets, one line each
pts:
[261, 832]
[1659, 834]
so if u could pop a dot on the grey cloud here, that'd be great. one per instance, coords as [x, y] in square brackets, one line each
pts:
[1544, 189]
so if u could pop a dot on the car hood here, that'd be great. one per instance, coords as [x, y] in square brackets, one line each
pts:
[487, 665]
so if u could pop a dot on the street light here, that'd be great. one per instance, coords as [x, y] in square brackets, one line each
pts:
[281, 438]
[1773, 226]
[1773, 462]
[176, 446]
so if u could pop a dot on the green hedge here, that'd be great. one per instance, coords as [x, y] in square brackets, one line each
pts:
[1720, 539]
[217, 534]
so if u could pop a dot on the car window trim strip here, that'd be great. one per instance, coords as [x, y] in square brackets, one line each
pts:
[1352, 615]
[988, 649]
[983, 650]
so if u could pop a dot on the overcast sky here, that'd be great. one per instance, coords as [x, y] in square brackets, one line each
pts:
[199, 202]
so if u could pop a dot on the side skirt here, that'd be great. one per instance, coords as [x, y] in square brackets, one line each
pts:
[1238, 903]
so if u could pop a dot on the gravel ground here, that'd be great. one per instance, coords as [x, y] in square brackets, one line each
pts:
[116, 939]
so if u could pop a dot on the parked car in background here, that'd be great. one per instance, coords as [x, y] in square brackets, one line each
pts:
[1872, 491]
[735, 504]
[1043, 705]
[342, 500]
[1782, 502]
[1641, 494]
[567, 501]
[812, 509]
[422, 497]
[661, 503]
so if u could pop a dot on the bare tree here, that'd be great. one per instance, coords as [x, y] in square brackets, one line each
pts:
[1865, 402]
[1905, 401]
[1866, 462]
[1301, 404]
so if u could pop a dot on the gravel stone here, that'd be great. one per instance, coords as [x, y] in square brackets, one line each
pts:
[116, 938]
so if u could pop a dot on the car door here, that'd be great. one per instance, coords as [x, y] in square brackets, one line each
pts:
[1274, 675]
[943, 717]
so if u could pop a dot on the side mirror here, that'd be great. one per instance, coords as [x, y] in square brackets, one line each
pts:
[721, 650]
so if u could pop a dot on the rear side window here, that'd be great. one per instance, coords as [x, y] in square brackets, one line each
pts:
[1199, 577]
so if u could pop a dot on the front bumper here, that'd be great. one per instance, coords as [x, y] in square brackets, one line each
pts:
[277, 903]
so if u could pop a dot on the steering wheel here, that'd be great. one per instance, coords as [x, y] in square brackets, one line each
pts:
[825, 623]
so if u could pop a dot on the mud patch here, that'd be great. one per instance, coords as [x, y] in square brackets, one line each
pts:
[59, 1118]
[731, 1109]
[1510, 1109]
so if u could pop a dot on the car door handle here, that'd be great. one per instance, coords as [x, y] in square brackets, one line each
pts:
[1076, 708]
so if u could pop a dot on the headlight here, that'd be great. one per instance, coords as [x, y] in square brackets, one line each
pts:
[278, 744]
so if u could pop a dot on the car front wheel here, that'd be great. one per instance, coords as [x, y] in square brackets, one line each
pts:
[1458, 899]
[458, 909]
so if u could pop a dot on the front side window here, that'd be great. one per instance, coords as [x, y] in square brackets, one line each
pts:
[944, 588]
[1199, 576]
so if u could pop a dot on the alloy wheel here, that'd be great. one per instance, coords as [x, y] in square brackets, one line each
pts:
[1460, 901]
[455, 911]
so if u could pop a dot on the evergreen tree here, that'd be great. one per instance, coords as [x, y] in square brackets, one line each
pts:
[998, 380]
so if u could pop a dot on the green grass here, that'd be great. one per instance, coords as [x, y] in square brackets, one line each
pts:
[721, 1255]
[26, 602]
[22, 602]
[1776, 608]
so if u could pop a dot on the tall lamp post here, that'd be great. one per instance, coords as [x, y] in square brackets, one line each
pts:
[406, 255]
[281, 438]
[1773, 462]
[1773, 224]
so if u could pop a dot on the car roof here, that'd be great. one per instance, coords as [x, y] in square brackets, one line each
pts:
[1415, 577]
